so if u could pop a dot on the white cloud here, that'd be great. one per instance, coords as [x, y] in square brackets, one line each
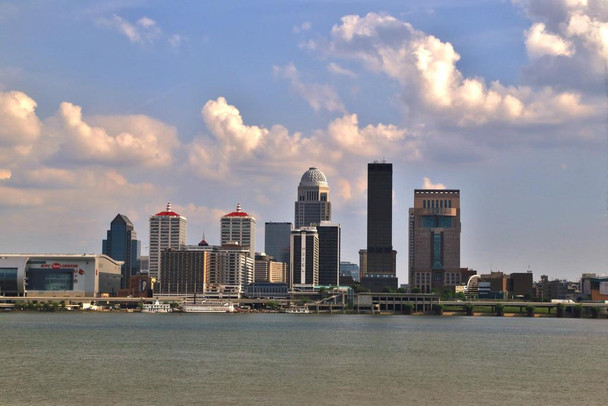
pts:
[143, 31]
[339, 70]
[539, 43]
[427, 184]
[19, 125]
[371, 141]
[134, 140]
[318, 96]
[426, 68]
[305, 26]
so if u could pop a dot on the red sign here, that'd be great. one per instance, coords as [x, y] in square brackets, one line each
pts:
[56, 266]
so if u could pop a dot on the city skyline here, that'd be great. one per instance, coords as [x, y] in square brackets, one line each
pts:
[122, 107]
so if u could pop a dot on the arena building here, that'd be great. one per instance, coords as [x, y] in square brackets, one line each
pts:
[54, 275]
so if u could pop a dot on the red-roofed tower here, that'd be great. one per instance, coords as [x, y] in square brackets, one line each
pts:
[167, 230]
[239, 227]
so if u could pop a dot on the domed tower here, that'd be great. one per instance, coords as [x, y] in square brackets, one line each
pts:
[313, 205]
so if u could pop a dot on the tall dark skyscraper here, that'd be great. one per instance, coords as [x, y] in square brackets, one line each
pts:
[276, 240]
[381, 258]
[329, 253]
[121, 244]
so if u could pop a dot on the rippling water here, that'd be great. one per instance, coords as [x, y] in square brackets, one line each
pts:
[181, 359]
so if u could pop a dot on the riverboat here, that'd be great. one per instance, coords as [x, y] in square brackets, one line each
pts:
[297, 310]
[208, 307]
[156, 307]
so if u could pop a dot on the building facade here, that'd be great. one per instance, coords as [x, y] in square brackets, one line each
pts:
[185, 269]
[167, 230]
[434, 239]
[122, 244]
[304, 258]
[329, 253]
[380, 258]
[59, 275]
[230, 271]
[268, 270]
[239, 227]
[276, 240]
[349, 269]
[313, 205]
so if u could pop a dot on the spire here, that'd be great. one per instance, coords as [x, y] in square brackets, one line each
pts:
[238, 208]
[168, 206]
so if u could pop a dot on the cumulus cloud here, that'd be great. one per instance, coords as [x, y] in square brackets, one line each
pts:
[539, 43]
[143, 31]
[427, 184]
[19, 125]
[134, 140]
[571, 35]
[318, 96]
[426, 69]
[235, 148]
[371, 141]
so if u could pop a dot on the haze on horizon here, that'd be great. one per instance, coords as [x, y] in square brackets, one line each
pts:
[123, 106]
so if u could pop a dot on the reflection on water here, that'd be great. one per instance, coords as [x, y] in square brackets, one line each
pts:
[162, 359]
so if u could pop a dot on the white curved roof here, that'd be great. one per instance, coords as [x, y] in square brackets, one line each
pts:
[313, 177]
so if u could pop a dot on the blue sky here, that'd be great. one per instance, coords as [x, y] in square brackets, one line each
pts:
[121, 106]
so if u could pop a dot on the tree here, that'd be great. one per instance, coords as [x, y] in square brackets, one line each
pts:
[416, 290]
[578, 310]
[401, 290]
[438, 309]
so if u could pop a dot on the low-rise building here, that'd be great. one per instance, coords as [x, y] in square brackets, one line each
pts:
[59, 275]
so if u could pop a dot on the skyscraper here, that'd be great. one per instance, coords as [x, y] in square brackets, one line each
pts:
[381, 258]
[122, 244]
[276, 240]
[239, 227]
[434, 239]
[304, 257]
[313, 205]
[167, 230]
[329, 253]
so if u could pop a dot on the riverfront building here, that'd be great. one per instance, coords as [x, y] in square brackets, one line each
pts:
[239, 227]
[167, 230]
[434, 240]
[230, 271]
[59, 275]
[185, 269]
[122, 244]
[304, 258]
[313, 205]
[380, 267]
[268, 270]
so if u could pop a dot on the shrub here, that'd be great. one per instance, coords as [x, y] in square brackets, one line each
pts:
[408, 308]
[577, 310]
[560, 308]
[438, 309]
[530, 311]
[595, 312]
[469, 309]
[500, 309]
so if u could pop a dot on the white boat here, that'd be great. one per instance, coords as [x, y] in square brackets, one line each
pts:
[156, 307]
[297, 310]
[208, 307]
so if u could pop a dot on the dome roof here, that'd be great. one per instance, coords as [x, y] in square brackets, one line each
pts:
[313, 177]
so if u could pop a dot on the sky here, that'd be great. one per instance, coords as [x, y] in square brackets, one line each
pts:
[122, 106]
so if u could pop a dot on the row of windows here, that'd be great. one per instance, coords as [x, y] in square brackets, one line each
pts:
[441, 204]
